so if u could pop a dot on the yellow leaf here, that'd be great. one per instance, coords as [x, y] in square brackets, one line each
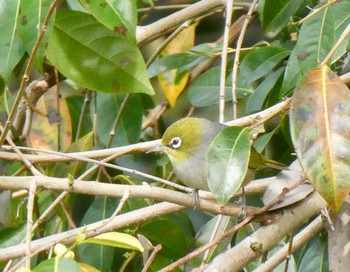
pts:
[116, 239]
[174, 82]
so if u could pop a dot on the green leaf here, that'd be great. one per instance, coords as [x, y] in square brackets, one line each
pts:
[116, 239]
[6, 218]
[257, 99]
[95, 57]
[12, 236]
[11, 46]
[57, 265]
[205, 90]
[101, 208]
[128, 130]
[99, 256]
[119, 16]
[204, 236]
[172, 234]
[275, 14]
[319, 120]
[316, 38]
[315, 257]
[180, 61]
[227, 161]
[76, 167]
[260, 62]
[31, 19]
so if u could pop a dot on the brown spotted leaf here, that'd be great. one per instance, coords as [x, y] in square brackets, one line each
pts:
[320, 130]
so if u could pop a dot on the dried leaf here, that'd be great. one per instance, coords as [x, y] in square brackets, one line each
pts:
[320, 130]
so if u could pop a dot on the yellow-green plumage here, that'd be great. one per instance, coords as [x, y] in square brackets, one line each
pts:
[189, 160]
[186, 142]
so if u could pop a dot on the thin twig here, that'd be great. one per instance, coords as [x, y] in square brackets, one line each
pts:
[68, 237]
[299, 240]
[229, 11]
[83, 112]
[230, 232]
[206, 64]
[58, 96]
[290, 246]
[34, 171]
[314, 12]
[117, 120]
[342, 38]
[219, 220]
[237, 56]
[152, 257]
[161, 47]
[49, 209]
[69, 217]
[29, 230]
[27, 71]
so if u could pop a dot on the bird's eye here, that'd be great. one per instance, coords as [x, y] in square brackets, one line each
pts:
[175, 142]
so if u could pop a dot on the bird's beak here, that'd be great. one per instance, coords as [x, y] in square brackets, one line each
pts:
[158, 148]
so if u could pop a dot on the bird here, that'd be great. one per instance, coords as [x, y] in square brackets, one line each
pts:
[186, 143]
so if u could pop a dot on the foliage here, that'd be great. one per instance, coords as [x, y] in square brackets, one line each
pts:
[85, 88]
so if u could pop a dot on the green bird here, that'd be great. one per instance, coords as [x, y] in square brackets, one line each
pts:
[186, 142]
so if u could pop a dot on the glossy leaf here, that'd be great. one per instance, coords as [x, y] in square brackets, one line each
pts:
[119, 16]
[205, 90]
[315, 257]
[128, 129]
[227, 161]
[180, 61]
[275, 14]
[116, 239]
[11, 46]
[258, 98]
[174, 82]
[320, 130]
[177, 241]
[316, 38]
[75, 167]
[6, 217]
[57, 265]
[12, 236]
[204, 236]
[31, 18]
[99, 256]
[95, 57]
[261, 62]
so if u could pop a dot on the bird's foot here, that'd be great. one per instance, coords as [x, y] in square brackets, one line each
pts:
[196, 199]
[243, 205]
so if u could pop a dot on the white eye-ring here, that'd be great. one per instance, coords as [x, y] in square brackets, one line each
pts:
[175, 142]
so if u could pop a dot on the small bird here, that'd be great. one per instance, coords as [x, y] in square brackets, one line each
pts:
[186, 142]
